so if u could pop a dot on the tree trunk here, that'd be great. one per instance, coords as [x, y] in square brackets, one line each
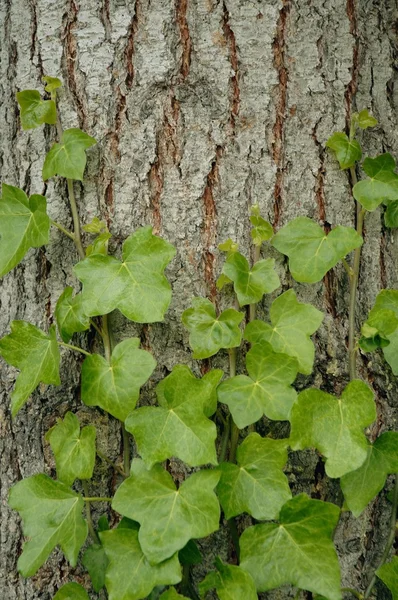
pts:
[201, 108]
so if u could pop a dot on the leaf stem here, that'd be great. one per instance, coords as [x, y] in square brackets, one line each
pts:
[353, 592]
[89, 519]
[234, 429]
[186, 583]
[126, 451]
[106, 338]
[110, 463]
[63, 229]
[252, 307]
[76, 221]
[76, 348]
[94, 324]
[390, 539]
[97, 499]
[225, 439]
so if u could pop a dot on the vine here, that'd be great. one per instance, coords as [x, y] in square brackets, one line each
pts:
[153, 544]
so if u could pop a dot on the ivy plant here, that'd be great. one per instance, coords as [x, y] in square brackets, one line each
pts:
[208, 422]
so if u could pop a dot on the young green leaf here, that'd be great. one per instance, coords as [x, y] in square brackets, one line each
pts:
[292, 323]
[250, 284]
[311, 252]
[36, 355]
[51, 515]
[68, 158]
[71, 591]
[262, 230]
[385, 315]
[364, 119]
[34, 110]
[95, 561]
[347, 151]
[70, 314]
[388, 573]
[257, 484]
[99, 245]
[361, 486]
[53, 83]
[115, 386]
[171, 594]
[95, 226]
[178, 427]
[229, 246]
[24, 224]
[182, 382]
[299, 550]
[169, 517]
[136, 286]
[230, 582]
[334, 426]
[377, 329]
[267, 390]
[129, 575]
[382, 185]
[74, 450]
[209, 333]
[391, 215]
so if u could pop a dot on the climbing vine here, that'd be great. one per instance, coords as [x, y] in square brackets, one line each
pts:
[206, 422]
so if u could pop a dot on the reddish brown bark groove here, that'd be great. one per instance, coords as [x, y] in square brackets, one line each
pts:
[186, 43]
[129, 51]
[233, 57]
[34, 40]
[106, 20]
[351, 89]
[210, 225]
[280, 63]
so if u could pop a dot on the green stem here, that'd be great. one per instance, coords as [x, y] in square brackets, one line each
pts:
[106, 338]
[97, 329]
[97, 499]
[186, 583]
[76, 348]
[252, 308]
[89, 519]
[234, 429]
[76, 221]
[225, 439]
[233, 531]
[65, 231]
[353, 592]
[390, 539]
[126, 450]
[110, 463]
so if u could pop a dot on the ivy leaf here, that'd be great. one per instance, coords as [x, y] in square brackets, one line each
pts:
[169, 517]
[347, 151]
[387, 300]
[71, 591]
[53, 83]
[178, 427]
[311, 252]
[250, 284]
[361, 486]
[229, 246]
[136, 286]
[24, 224]
[262, 230]
[182, 382]
[115, 386]
[99, 245]
[70, 315]
[377, 329]
[266, 392]
[95, 226]
[95, 561]
[297, 550]
[34, 110]
[388, 573]
[51, 515]
[382, 185]
[334, 426]
[364, 119]
[231, 583]
[209, 333]
[129, 575]
[292, 323]
[74, 450]
[171, 594]
[190, 555]
[391, 215]
[68, 158]
[36, 355]
[257, 484]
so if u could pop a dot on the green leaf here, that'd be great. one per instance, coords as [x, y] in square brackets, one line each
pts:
[311, 252]
[99, 245]
[209, 333]
[231, 583]
[53, 83]
[257, 484]
[95, 226]
[103, 524]
[169, 518]
[129, 575]
[292, 323]
[347, 151]
[95, 561]
[182, 382]
[222, 281]
[51, 515]
[171, 594]
[267, 390]
[71, 591]
[361, 486]
[388, 573]
[70, 314]
[262, 230]
[136, 286]
[391, 215]
[115, 386]
[36, 355]
[377, 329]
[299, 550]
[34, 110]
[68, 158]
[382, 185]
[24, 224]
[74, 450]
[178, 427]
[387, 300]
[229, 246]
[364, 119]
[334, 426]
[190, 555]
[250, 284]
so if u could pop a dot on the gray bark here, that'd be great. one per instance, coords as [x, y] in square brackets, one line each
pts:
[200, 108]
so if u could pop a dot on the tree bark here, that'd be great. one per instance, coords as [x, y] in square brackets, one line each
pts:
[201, 108]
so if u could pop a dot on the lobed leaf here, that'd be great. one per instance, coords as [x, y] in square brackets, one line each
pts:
[171, 594]
[382, 185]
[70, 315]
[34, 110]
[334, 426]
[262, 231]
[364, 119]
[311, 252]
[36, 354]
[388, 573]
[71, 591]
[230, 582]
[95, 561]
[384, 315]
[391, 215]
[52, 83]
[52, 515]
[68, 158]
[250, 284]
[347, 151]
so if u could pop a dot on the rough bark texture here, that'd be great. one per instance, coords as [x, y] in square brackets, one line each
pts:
[200, 108]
